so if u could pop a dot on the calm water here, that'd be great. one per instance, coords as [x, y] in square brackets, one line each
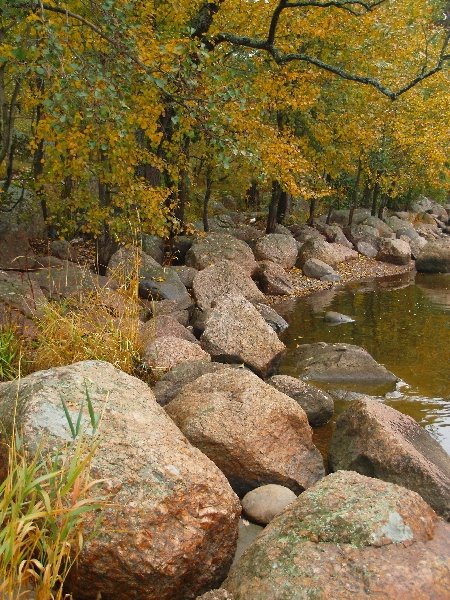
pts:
[404, 322]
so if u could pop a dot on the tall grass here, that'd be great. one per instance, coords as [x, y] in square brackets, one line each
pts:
[9, 354]
[100, 324]
[42, 503]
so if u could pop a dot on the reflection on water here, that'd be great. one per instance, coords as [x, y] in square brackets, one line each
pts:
[404, 322]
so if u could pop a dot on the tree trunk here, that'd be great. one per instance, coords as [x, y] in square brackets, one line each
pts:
[355, 194]
[283, 207]
[207, 198]
[273, 207]
[375, 195]
[312, 212]
[330, 212]
[252, 197]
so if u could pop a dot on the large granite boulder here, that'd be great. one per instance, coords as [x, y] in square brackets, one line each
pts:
[273, 279]
[272, 318]
[163, 326]
[255, 434]
[279, 248]
[236, 332]
[317, 404]
[155, 281]
[331, 254]
[333, 234]
[348, 536]
[153, 246]
[169, 529]
[21, 299]
[434, 257]
[395, 251]
[217, 247]
[362, 233]
[340, 363]
[221, 278]
[377, 440]
[302, 233]
[172, 382]
[416, 244]
[166, 352]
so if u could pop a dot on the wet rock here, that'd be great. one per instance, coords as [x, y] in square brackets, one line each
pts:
[221, 278]
[367, 249]
[16, 252]
[278, 248]
[153, 246]
[395, 251]
[376, 440]
[172, 382]
[348, 536]
[264, 503]
[167, 352]
[273, 279]
[21, 299]
[434, 257]
[317, 269]
[272, 318]
[317, 404]
[331, 254]
[254, 434]
[247, 534]
[186, 274]
[340, 362]
[217, 247]
[236, 332]
[169, 530]
[337, 318]
[155, 281]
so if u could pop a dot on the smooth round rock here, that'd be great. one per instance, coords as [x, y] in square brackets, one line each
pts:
[266, 502]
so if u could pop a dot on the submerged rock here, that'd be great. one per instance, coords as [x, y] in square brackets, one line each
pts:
[255, 434]
[170, 527]
[348, 536]
[337, 318]
[340, 362]
[377, 440]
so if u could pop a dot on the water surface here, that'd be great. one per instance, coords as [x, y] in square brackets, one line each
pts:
[404, 322]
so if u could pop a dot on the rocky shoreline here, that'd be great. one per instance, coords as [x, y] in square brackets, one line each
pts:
[218, 433]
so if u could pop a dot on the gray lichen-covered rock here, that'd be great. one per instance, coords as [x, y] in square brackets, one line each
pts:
[216, 247]
[379, 441]
[331, 254]
[155, 281]
[169, 529]
[273, 279]
[395, 251]
[264, 503]
[166, 352]
[223, 277]
[279, 248]
[434, 257]
[255, 434]
[317, 269]
[21, 299]
[340, 362]
[348, 536]
[236, 332]
[317, 404]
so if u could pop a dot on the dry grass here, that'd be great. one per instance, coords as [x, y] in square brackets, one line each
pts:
[98, 325]
[43, 500]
